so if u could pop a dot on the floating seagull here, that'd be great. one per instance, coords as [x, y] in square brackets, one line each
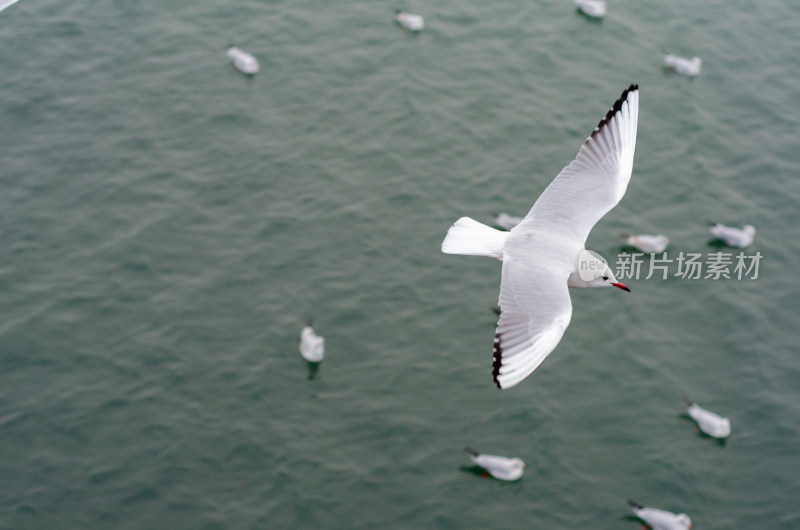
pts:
[544, 254]
[661, 519]
[712, 424]
[690, 67]
[592, 8]
[500, 467]
[312, 346]
[647, 243]
[507, 221]
[243, 61]
[734, 237]
[409, 21]
[6, 3]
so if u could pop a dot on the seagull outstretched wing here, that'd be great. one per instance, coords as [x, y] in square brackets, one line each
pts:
[540, 253]
[596, 180]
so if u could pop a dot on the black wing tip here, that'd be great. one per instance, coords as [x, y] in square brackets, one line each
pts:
[497, 360]
[471, 452]
[616, 107]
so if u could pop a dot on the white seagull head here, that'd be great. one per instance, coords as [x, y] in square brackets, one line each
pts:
[606, 279]
[592, 271]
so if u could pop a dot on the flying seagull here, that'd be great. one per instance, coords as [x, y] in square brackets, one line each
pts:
[544, 254]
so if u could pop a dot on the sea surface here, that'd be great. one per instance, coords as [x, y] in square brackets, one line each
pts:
[168, 225]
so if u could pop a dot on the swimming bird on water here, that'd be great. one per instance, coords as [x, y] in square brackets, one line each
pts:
[544, 255]
[710, 423]
[647, 243]
[500, 467]
[243, 61]
[661, 519]
[507, 221]
[688, 67]
[734, 237]
[592, 8]
[409, 21]
[312, 346]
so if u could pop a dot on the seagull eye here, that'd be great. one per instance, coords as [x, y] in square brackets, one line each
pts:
[605, 278]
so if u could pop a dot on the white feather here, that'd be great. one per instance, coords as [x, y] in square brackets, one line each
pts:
[734, 237]
[500, 467]
[661, 519]
[688, 67]
[710, 423]
[648, 243]
[540, 254]
[6, 3]
[593, 8]
[243, 61]
[471, 238]
[507, 221]
[312, 346]
[410, 21]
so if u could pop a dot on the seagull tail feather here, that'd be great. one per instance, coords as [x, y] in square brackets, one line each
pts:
[469, 237]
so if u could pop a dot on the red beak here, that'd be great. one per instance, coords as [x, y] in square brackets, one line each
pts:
[621, 286]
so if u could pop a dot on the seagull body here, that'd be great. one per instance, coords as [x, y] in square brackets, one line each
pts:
[661, 519]
[500, 467]
[507, 221]
[243, 61]
[312, 346]
[734, 237]
[689, 67]
[712, 424]
[592, 8]
[542, 256]
[6, 3]
[409, 21]
[647, 243]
